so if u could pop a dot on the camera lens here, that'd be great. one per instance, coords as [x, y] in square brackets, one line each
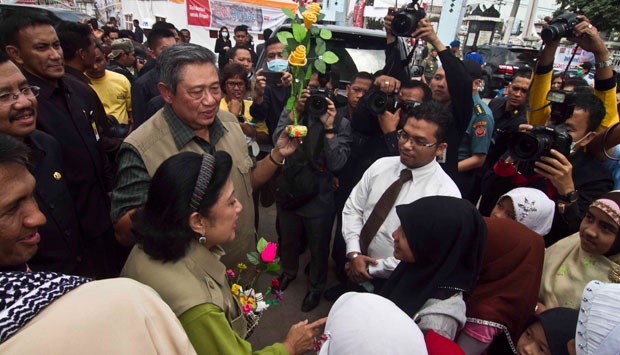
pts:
[551, 33]
[403, 24]
[377, 102]
[524, 146]
[316, 105]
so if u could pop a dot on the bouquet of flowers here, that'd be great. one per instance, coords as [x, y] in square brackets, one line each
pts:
[298, 46]
[255, 303]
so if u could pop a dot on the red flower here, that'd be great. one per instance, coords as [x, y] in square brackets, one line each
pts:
[268, 254]
[275, 284]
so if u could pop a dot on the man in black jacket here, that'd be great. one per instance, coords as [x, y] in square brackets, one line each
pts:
[572, 181]
[451, 86]
[65, 112]
[59, 248]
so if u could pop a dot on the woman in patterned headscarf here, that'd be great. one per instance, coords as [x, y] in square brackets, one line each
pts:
[591, 254]
[528, 206]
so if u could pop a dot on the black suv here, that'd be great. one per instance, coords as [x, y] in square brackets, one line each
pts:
[358, 49]
[501, 61]
[56, 15]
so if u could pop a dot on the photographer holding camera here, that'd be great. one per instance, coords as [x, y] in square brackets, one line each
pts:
[304, 194]
[578, 29]
[269, 98]
[547, 159]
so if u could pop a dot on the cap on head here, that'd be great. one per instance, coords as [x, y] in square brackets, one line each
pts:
[473, 68]
[120, 46]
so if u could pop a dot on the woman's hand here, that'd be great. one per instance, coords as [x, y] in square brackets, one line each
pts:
[301, 336]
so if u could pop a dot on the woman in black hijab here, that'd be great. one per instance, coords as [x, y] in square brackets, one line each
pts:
[440, 244]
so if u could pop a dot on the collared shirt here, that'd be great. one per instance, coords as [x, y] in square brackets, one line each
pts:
[133, 178]
[477, 137]
[429, 180]
[76, 74]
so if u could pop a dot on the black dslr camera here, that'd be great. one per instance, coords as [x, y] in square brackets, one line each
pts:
[561, 26]
[379, 102]
[406, 19]
[527, 147]
[562, 105]
[316, 105]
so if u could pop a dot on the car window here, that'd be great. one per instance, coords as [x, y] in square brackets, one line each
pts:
[526, 56]
[356, 52]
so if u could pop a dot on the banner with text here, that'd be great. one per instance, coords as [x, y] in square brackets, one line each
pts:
[231, 14]
[198, 13]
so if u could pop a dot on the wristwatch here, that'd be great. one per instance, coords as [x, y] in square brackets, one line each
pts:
[601, 65]
[570, 197]
[354, 255]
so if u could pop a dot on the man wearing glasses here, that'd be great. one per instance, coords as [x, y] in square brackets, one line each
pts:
[420, 142]
[58, 248]
[69, 111]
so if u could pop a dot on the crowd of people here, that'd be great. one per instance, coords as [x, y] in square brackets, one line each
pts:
[134, 164]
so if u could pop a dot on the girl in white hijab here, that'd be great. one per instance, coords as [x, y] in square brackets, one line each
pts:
[528, 206]
[368, 324]
[598, 328]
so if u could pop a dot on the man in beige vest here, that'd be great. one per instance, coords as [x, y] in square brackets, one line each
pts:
[191, 121]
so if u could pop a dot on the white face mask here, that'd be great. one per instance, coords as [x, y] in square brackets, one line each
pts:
[574, 144]
[225, 34]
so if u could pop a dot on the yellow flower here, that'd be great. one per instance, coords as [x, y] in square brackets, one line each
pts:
[241, 266]
[309, 18]
[315, 8]
[298, 57]
[252, 302]
[243, 299]
[235, 289]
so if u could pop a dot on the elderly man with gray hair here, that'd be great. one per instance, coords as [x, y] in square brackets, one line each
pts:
[191, 121]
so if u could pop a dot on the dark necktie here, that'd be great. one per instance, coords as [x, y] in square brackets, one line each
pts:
[381, 210]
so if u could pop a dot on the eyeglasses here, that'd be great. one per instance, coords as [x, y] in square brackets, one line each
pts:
[8, 98]
[199, 94]
[404, 138]
[237, 84]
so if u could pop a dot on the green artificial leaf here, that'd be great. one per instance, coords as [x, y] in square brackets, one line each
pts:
[326, 34]
[299, 32]
[284, 36]
[275, 303]
[301, 9]
[320, 47]
[272, 267]
[261, 245]
[285, 53]
[253, 258]
[319, 64]
[314, 31]
[290, 102]
[307, 77]
[288, 13]
[329, 57]
[291, 43]
[320, 17]
[268, 302]
[276, 260]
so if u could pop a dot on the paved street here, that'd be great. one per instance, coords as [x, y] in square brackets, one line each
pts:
[274, 325]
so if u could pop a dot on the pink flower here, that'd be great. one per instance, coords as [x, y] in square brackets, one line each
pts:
[268, 254]
[230, 274]
[247, 308]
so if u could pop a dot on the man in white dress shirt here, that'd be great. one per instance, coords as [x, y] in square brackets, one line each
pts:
[420, 142]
